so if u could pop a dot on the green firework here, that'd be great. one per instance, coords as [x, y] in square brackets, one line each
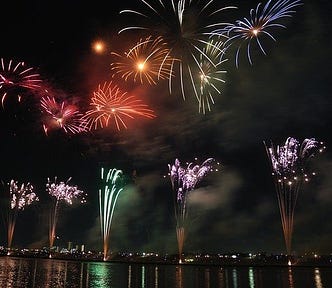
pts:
[108, 196]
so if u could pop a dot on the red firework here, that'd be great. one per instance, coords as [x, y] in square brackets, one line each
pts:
[109, 104]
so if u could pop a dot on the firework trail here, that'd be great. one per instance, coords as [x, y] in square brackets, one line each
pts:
[17, 78]
[108, 196]
[61, 115]
[20, 197]
[261, 23]
[147, 62]
[288, 164]
[61, 192]
[183, 181]
[187, 27]
[110, 104]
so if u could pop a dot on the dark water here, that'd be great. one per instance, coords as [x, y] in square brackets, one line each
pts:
[18, 272]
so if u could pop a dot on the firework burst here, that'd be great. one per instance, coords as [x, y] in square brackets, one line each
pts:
[61, 115]
[183, 181]
[186, 27]
[289, 171]
[109, 104]
[108, 196]
[61, 192]
[210, 75]
[261, 23]
[17, 78]
[20, 197]
[147, 62]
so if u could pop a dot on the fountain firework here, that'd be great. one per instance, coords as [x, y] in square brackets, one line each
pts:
[183, 181]
[108, 196]
[288, 163]
[20, 197]
[62, 192]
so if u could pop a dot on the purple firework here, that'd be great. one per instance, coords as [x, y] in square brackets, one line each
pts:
[288, 165]
[289, 160]
[20, 197]
[183, 181]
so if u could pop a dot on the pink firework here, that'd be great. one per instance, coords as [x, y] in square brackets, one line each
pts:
[61, 115]
[110, 104]
[14, 77]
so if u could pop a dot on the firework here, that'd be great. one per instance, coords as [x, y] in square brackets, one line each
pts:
[288, 164]
[20, 197]
[61, 192]
[183, 181]
[147, 62]
[261, 23]
[61, 115]
[17, 78]
[107, 201]
[110, 104]
[210, 75]
[186, 27]
[98, 47]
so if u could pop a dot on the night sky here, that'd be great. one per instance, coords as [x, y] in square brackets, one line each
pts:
[284, 93]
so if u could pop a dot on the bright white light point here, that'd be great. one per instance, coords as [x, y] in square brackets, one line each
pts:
[113, 110]
[140, 66]
[255, 32]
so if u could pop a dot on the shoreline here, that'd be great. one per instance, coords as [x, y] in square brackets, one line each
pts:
[256, 264]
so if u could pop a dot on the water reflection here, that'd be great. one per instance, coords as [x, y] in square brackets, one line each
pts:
[143, 276]
[13, 271]
[129, 276]
[178, 277]
[234, 276]
[318, 280]
[44, 273]
[251, 278]
[290, 278]
[99, 274]
[156, 277]
[221, 279]
[207, 278]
